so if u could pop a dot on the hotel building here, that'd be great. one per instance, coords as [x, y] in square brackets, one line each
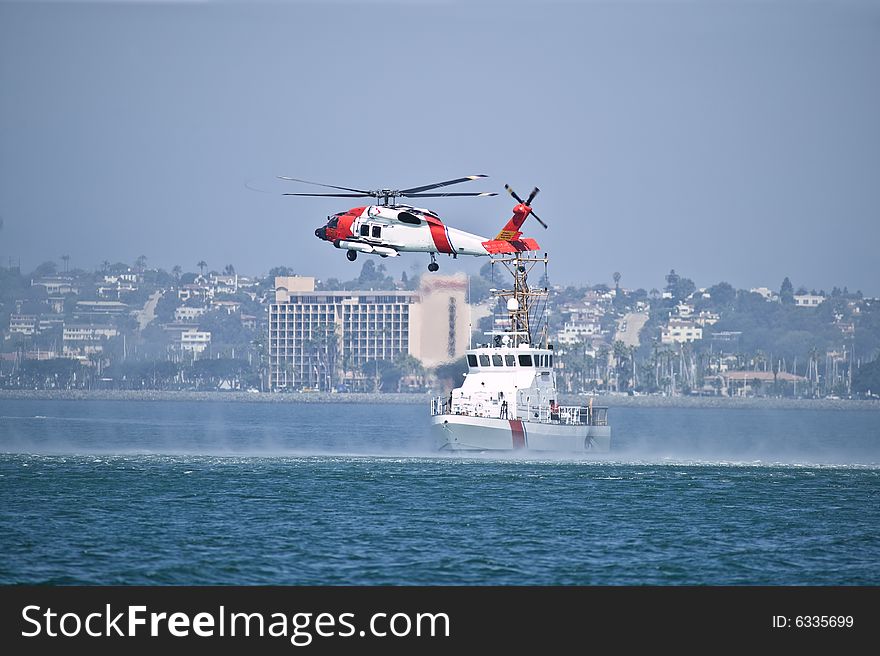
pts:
[323, 339]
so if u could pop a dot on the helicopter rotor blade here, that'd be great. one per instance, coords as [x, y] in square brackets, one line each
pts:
[513, 193]
[538, 219]
[532, 196]
[412, 190]
[441, 195]
[321, 184]
[335, 195]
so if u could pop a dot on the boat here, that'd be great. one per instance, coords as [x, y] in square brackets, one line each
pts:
[509, 400]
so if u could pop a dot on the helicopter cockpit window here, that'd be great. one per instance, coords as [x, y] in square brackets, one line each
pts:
[365, 230]
[333, 222]
[406, 217]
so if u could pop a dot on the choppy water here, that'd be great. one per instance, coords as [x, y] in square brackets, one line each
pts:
[141, 493]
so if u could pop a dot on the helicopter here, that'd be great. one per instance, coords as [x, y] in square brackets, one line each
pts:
[388, 229]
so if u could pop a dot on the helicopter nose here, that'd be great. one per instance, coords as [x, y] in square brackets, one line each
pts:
[321, 233]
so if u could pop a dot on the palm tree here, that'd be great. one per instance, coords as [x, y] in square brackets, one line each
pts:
[409, 366]
[105, 266]
[321, 348]
[348, 370]
[176, 270]
[66, 259]
[602, 361]
[760, 360]
[631, 353]
[202, 264]
[229, 270]
[141, 262]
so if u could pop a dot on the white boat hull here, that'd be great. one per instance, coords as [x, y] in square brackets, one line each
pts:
[467, 433]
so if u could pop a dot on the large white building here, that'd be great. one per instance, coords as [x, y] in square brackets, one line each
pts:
[185, 313]
[680, 332]
[582, 321]
[321, 339]
[82, 340]
[577, 331]
[808, 300]
[195, 341]
[56, 285]
[224, 284]
[100, 310]
[23, 324]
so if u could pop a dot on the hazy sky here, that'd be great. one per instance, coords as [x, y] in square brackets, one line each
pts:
[732, 141]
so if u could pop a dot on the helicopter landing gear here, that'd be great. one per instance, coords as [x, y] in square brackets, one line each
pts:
[351, 255]
[433, 266]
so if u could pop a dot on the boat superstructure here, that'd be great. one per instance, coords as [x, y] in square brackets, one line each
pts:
[509, 398]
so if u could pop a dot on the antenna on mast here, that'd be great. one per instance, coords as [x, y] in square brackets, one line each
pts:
[522, 301]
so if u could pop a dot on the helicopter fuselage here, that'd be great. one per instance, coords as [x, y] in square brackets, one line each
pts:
[391, 230]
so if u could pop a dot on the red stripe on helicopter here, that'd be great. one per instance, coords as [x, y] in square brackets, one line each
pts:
[519, 433]
[439, 235]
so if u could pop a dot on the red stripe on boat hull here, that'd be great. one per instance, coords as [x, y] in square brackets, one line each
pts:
[519, 433]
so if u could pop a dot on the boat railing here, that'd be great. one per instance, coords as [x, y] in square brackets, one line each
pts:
[572, 415]
[440, 405]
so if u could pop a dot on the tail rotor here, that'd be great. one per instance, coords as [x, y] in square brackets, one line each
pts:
[527, 202]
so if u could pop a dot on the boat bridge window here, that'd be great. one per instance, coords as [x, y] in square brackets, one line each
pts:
[497, 361]
[484, 360]
[472, 360]
[511, 360]
[525, 361]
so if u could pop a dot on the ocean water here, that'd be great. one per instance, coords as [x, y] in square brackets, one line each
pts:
[254, 493]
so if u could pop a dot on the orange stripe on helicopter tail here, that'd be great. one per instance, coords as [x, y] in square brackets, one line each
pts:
[494, 246]
[518, 432]
[439, 235]
[510, 231]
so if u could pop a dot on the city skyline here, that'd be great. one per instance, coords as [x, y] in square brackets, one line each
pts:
[356, 269]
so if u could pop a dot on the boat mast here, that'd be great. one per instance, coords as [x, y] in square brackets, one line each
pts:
[522, 301]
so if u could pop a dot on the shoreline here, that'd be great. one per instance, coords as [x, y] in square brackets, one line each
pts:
[415, 399]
